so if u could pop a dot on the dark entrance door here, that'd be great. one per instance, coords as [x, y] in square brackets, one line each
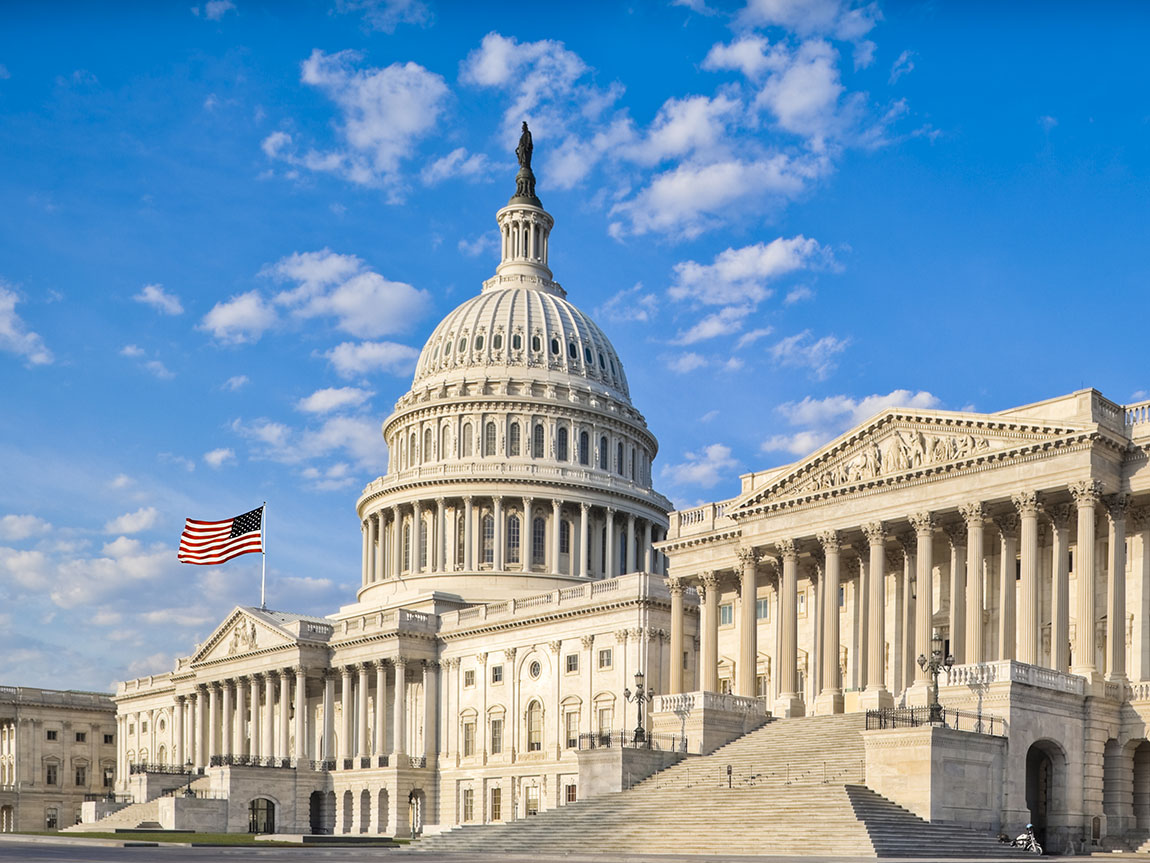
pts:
[315, 812]
[1039, 787]
[261, 816]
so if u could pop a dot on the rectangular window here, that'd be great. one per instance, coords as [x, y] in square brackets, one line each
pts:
[51, 818]
[52, 735]
[725, 686]
[532, 799]
[496, 736]
[50, 774]
[605, 659]
[572, 721]
[564, 537]
[538, 540]
[802, 603]
[143, 727]
[131, 729]
[468, 804]
[496, 804]
[572, 794]
[109, 776]
[842, 596]
[109, 739]
[762, 609]
[82, 776]
[605, 718]
[468, 677]
[497, 674]
[686, 659]
[81, 736]
[761, 686]
[468, 738]
[726, 615]
[572, 663]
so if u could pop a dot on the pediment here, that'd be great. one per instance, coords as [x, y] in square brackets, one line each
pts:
[897, 444]
[242, 632]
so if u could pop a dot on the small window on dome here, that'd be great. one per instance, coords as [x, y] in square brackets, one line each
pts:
[602, 364]
[479, 343]
[497, 341]
[447, 349]
[462, 345]
[435, 355]
[612, 364]
[555, 346]
[587, 356]
[573, 351]
[517, 342]
[536, 344]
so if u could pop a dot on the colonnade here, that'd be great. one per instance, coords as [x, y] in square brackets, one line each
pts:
[1029, 570]
[7, 752]
[576, 539]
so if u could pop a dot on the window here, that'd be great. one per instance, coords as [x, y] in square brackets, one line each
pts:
[802, 605]
[619, 458]
[411, 452]
[572, 663]
[587, 356]
[536, 344]
[479, 343]
[561, 444]
[462, 345]
[131, 729]
[571, 793]
[725, 686]
[555, 346]
[761, 682]
[467, 439]
[762, 609]
[82, 736]
[726, 615]
[421, 552]
[605, 658]
[53, 735]
[144, 727]
[81, 776]
[50, 774]
[537, 441]
[602, 364]
[605, 718]
[488, 539]
[469, 677]
[564, 537]
[444, 442]
[686, 659]
[428, 446]
[497, 674]
[109, 739]
[497, 341]
[842, 596]
[468, 738]
[468, 804]
[632, 464]
[535, 727]
[496, 804]
[571, 723]
[496, 736]
[572, 351]
[517, 342]
[513, 439]
[538, 540]
[513, 539]
[489, 439]
[447, 349]
[535, 669]
[109, 776]
[407, 546]
[584, 448]
[603, 453]
[51, 818]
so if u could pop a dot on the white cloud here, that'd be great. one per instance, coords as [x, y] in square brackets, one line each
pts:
[683, 126]
[17, 527]
[144, 518]
[15, 337]
[333, 399]
[159, 370]
[799, 443]
[457, 163]
[708, 416]
[748, 54]
[826, 418]
[386, 15]
[705, 468]
[243, 318]
[721, 323]
[121, 480]
[741, 275]
[332, 478]
[236, 382]
[216, 458]
[214, 10]
[804, 96]
[351, 359]
[473, 248]
[752, 336]
[904, 65]
[178, 460]
[798, 295]
[132, 351]
[684, 363]
[160, 300]
[630, 304]
[357, 437]
[801, 352]
[1047, 122]
[841, 19]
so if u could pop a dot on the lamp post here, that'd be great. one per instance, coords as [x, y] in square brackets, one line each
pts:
[932, 667]
[641, 696]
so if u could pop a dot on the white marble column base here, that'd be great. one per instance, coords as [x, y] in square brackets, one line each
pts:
[829, 701]
[875, 698]
[788, 706]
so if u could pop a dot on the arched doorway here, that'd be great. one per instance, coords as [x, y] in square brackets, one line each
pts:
[1044, 781]
[415, 803]
[261, 816]
[381, 811]
[1141, 794]
[315, 812]
[6, 825]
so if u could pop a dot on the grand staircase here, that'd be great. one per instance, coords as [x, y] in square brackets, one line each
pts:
[796, 787]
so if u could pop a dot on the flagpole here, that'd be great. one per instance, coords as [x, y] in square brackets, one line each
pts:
[264, 557]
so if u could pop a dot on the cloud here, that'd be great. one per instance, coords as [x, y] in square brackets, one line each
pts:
[17, 527]
[721, 323]
[684, 363]
[132, 351]
[15, 337]
[741, 275]
[214, 10]
[243, 318]
[798, 295]
[630, 304]
[473, 248]
[803, 97]
[1047, 122]
[705, 468]
[748, 54]
[133, 522]
[457, 163]
[333, 399]
[386, 15]
[160, 300]
[158, 369]
[333, 478]
[904, 65]
[4, 73]
[121, 480]
[753, 336]
[236, 382]
[801, 352]
[840, 19]
[356, 437]
[799, 443]
[684, 126]
[350, 359]
[217, 458]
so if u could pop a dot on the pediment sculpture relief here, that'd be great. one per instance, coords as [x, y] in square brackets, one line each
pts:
[243, 637]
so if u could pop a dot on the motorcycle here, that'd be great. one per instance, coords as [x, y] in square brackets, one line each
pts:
[1026, 840]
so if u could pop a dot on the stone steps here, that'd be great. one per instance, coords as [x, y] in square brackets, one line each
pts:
[127, 818]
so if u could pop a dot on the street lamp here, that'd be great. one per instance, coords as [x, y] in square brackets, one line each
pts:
[640, 697]
[932, 667]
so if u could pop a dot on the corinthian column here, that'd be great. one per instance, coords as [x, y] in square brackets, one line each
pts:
[301, 712]
[399, 720]
[876, 696]
[1086, 496]
[346, 706]
[923, 524]
[1060, 589]
[498, 540]
[788, 704]
[241, 718]
[974, 517]
[710, 596]
[748, 624]
[609, 569]
[1007, 585]
[957, 536]
[364, 747]
[177, 741]
[269, 740]
[1116, 588]
[365, 529]
[830, 700]
[380, 545]
[227, 720]
[1029, 628]
[584, 543]
[676, 586]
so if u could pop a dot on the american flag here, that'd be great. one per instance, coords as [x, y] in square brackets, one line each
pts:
[212, 542]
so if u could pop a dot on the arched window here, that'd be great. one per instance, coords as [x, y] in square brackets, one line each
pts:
[587, 356]
[538, 541]
[564, 537]
[479, 343]
[466, 440]
[537, 441]
[584, 448]
[513, 539]
[535, 727]
[561, 444]
[489, 439]
[422, 556]
[513, 439]
[428, 452]
[619, 457]
[488, 539]
[536, 344]
[407, 546]
[445, 442]
[517, 342]
[572, 351]
[632, 464]
[412, 451]
[603, 453]
[497, 341]
[555, 346]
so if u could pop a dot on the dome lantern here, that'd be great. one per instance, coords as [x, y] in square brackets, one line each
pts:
[524, 226]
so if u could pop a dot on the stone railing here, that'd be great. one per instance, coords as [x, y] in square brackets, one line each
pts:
[686, 702]
[55, 697]
[701, 519]
[1138, 414]
[1010, 671]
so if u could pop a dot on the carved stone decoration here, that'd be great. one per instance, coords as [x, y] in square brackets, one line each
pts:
[747, 556]
[972, 513]
[829, 539]
[1007, 524]
[1116, 505]
[676, 585]
[923, 523]
[620, 636]
[555, 646]
[482, 658]
[786, 548]
[243, 637]
[1140, 517]
[955, 534]
[1026, 502]
[875, 533]
[1086, 492]
[588, 641]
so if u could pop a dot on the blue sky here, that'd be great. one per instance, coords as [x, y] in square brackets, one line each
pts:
[227, 229]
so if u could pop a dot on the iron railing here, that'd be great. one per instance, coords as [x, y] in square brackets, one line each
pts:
[913, 717]
[324, 765]
[194, 793]
[108, 798]
[165, 769]
[250, 761]
[631, 740]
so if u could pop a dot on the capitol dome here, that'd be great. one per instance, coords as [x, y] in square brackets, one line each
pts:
[516, 461]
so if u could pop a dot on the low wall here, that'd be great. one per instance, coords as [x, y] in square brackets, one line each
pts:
[707, 719]
[92, 811]
[189, 813]
[605, 771]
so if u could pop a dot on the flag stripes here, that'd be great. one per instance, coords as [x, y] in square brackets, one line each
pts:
[210, 542]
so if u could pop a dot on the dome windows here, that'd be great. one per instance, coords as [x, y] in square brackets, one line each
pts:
[489, 439]
[517, 342]
[587, 356]
[497, 342]
[602, 364]
[447, 349]
[536, 344]
[561, 444]
[479, 343]
[555, 346]
[572, 351]
[463, 345]
[584, 448]
[537, 441]
[467, 440]
[513, 439]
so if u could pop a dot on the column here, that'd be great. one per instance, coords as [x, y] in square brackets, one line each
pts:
[609, 553]
[380, 546]
[709, 672]
[788, 703]
[629, 556]
[957, 535]
[431, 711]
[748, 624]
[556, 520]
[364, 745]
[923, 524]
[328, 714]
[526, 538]
[380, 706]
[440, 535]
[1140, 525]
[1029, 626]
[973, 515]
[1116, 588]
[396, 542]
[365, 569]
[830, 700]
[178, 740]
[876, 696]
[213, 720]
[497, 516]
[227, 720]
[1060, 590]
[416, 533]
[301, 709]
[268, 749]
[648, 551]
[675, 586]
[199, 729]
[283, 750]
[584, 547]
[241, 723]
[257, 732]
[468, 535]
[862, 598]
[1086, 496]
[909, 543]
[346, 706]
[1007, 585]
[399, 717]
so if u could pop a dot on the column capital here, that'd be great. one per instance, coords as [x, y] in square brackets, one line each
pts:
[327, 673]
[454, 661]
[923, 523]
[588, 641]
[786, 548]
[1140, 517]
[610, 511]
[875, 533]
[956, 533]
[399, 661]
[676, 585]
[585, 507]
[908, 542]
[555, 646]
[830, 541]
[180, 699]
[1116, 505]
[509, 653]
[621, 636]
[1086, 493]
[347, 670]
[298, 670]
[1060, 515]
[1007, 524]
[481, 658]
[895, 558]
[973, 513]
[747, 556]
[710, 579]
[1026, 502]
[430, 664]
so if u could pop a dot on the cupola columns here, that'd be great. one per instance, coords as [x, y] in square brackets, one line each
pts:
[524, 231]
